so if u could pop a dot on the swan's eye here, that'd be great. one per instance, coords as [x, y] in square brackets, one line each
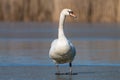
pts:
[70, 12]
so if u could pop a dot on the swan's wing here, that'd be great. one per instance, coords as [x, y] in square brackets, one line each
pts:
[73, 48]
[52, 48]
[54, 42]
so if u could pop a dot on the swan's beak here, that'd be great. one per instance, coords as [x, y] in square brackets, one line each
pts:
[73, 15]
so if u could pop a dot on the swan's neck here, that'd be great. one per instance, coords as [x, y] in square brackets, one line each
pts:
[61, 34]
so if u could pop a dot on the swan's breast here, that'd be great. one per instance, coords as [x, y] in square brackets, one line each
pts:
[59, 47]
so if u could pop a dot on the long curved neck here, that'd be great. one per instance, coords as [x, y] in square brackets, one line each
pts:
[61, 34]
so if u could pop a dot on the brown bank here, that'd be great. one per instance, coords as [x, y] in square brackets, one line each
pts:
[46, 10]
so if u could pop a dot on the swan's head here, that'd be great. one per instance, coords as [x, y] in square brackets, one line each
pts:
[68, 12]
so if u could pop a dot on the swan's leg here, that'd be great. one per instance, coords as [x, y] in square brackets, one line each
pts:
[57, 67]
[70, 65]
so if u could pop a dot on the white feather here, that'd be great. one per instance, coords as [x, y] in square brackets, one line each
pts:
[62, 50]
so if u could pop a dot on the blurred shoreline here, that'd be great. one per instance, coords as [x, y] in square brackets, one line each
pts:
[90, 11]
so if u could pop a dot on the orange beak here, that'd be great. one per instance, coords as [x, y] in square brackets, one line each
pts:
[73, 15]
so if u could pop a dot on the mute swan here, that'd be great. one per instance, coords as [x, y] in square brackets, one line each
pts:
[62, 50]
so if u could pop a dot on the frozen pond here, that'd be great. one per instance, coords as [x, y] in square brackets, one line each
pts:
[24, 51]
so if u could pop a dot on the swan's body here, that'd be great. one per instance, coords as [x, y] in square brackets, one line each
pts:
[62, 50]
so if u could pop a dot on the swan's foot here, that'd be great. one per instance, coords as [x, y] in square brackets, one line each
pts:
[66, 73]
[57, 73]
[69, 73]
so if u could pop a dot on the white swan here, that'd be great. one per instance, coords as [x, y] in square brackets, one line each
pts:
[62, 50]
